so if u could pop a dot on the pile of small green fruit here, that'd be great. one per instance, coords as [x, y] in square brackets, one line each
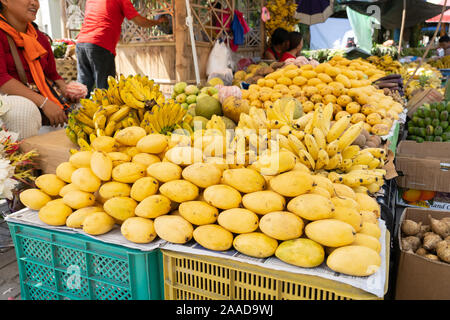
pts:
[430, 122]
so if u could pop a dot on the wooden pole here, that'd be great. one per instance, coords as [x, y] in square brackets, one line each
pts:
[181, 43]
[402, 28]
[64, 31]
[430, 43]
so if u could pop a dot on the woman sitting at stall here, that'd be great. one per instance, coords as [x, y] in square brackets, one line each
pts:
[295, 46]
[279, 43]
[27, 71]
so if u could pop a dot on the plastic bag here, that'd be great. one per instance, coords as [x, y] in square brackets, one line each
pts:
[226, 75]
[76, 90]
[219, 58]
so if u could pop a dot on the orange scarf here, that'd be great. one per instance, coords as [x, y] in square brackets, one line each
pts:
[32, 51]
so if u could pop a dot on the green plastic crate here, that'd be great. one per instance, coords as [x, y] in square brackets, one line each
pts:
[55, 265]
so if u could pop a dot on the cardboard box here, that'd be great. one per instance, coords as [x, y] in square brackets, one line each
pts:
[423, 166]
[53, 148]
[419, 278]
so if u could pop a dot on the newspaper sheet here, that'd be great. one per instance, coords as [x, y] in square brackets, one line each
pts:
[374, 284]
[30, 217]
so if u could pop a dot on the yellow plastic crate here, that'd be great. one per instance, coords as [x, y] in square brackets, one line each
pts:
[197, 277]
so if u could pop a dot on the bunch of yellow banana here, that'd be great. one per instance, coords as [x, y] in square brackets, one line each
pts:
[164, 118]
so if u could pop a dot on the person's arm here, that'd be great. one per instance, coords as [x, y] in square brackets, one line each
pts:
[147, 23]
[53, 112]
[268, 55]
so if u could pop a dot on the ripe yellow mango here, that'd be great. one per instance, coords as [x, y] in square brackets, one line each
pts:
[255, 244]
[54, 213]
[371, 229]
[320, 191]
[345, 202]
[50, 184]
[98, 223]
[143, 188]
[368, 216]
[153, 206]
[220, 162]
[292, 183]
[81, 159]
[330, 232]
[112, 189]
[202, 175]
[262, 202]
[367, 203]
[145, 159]
[101, 165]
[67, 188]
[104, 143]
[311, 207]
[118, 158]
[281, 225]
[138, 230]
[120, 208]
[368, 241]
[86, 180]
[77, 199]
[213, 237]
[128, 172]
[179, 190]
[244, 180]
[198, 212]
[354, 260]
[153, 143]
[303, 252]
[349, 215]
[34, 198]
[222, 196]
[64, 171]
[238, 220]
[184, 156]
[341, 190]
[323, 182]
[75, 220]
[130, 136]
[173, 228]
[274, 163]
[164, 171]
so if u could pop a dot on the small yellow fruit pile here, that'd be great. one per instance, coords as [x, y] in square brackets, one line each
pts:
[344, 83]
[153, 186]
[386, 63]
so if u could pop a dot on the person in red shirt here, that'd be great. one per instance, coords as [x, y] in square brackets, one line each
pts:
[26, 100]
[295, 46]
[279, 43]
[98, 38]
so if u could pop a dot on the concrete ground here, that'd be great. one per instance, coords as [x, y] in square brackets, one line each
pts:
[9, 272]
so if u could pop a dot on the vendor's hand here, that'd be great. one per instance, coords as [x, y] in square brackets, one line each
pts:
[163, 19]
[54, 113]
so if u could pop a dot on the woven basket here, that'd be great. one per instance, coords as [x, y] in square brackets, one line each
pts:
[67, 69]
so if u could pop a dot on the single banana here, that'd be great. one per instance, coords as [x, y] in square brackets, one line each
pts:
[335, 177]
[301, 122]
[363, 158]
[320, 138]
[374, 163]
[350, 135]
[334, 162]
[338, 128]
[110, 127]
[296, 144]
[360, 189]
[379, 153]
[83, 118]
[120, 114]
[350, 152]
[373, 188]
[311, 145]
[100, 122]
[332, 148]
[305, 158]
[322, 159]
[345, 165]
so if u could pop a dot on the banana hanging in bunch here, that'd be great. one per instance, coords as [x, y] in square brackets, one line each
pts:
[164, 118]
